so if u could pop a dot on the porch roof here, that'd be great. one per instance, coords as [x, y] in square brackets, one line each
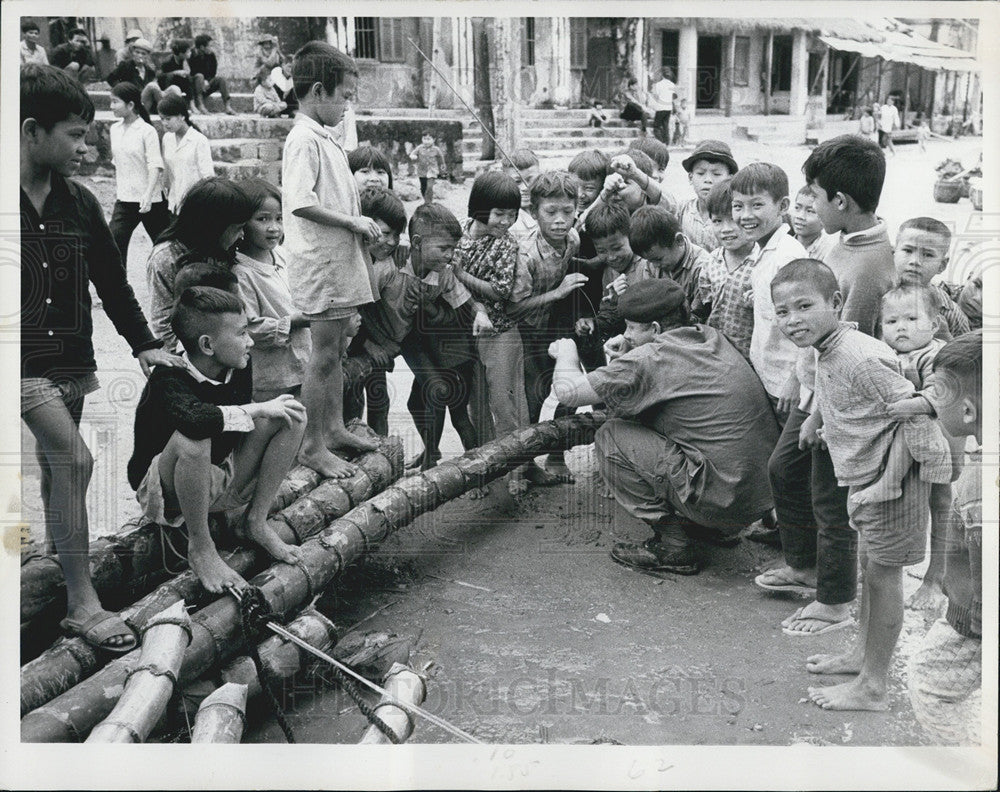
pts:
[904, 45]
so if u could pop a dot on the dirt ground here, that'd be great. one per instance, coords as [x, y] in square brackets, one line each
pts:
[531, 632]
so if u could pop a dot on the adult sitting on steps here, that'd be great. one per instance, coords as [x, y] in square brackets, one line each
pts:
[689, 432]
[204, 72]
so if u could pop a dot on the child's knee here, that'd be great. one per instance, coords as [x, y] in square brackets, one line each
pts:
[186, 449]
[81, 464]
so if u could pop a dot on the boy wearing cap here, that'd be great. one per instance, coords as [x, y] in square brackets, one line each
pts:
[685, 448]
[711, 162]
[204, 73]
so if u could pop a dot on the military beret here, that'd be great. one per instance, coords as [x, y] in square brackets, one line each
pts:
[651, 300]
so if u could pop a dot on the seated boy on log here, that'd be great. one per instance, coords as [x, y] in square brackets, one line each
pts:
[202, 445]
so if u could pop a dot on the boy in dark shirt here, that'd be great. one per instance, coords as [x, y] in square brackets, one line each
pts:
[202, 445]
[66, 245]
[204, 71]
[176, 70]
[75, 57]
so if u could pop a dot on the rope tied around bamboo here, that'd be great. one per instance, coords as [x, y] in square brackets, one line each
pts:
[215, 627]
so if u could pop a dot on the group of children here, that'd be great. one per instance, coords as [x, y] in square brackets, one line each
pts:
[329, 267]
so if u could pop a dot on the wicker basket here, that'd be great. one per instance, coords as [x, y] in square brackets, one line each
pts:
[947, 191]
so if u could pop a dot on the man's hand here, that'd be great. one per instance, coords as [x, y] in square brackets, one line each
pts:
[572, 281]
[482, 326]
[810, 435]
[564, 348]
[789, 396]
[585, 326]
[145, 205]
[158, 357]
[615, 347]
[284, 407]
[366, 228]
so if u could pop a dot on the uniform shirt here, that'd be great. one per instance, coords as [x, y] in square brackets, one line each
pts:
[730, 294]
[773, 356]
[135, 150]
[63, 250]
[695, 227]
[326, 264]
[692, 386]
[187, 161]
[186, 401]
[36, 55]
[280, 353]
[857, 376]
[494, 260]
[540, 268]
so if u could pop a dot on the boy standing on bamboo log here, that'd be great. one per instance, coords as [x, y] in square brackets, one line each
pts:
[66, 245]
[202, 445]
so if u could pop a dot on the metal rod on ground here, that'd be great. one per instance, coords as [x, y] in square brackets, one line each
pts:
[461, 98]
[222, 715]
[387, 696]
[402, 684]
[149, 686]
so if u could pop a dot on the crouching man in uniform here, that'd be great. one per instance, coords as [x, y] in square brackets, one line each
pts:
[689, 431]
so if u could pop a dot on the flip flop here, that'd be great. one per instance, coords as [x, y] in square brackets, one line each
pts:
[795, 588]
[99, 629]
[831, 626]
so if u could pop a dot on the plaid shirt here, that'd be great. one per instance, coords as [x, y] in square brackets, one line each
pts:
[957, 321]
[695, 227]
[730, 295]
[494, 260]
[540, 268]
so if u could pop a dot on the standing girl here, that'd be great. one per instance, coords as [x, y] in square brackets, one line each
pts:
[485, 262]
[135, 152]
[187, 154]
[207, 228]
[280, 333]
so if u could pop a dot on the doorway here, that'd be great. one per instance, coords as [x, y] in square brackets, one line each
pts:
[708, 88]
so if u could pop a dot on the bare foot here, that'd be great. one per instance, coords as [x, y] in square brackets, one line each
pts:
[879, 492]
[264, 535]
[478, 493]
[849, 696]
[326, 463]
[928, 597]
[347, 441]
[545, 478]
[817, 617]
[556, 465]
[604, 491]
[848, 663]
[517, 484]
[212, 571]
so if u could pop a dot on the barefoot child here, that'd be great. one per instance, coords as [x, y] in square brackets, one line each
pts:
[202, 446]
[945, 673]
[280, 333]
[857, 377]
[324, 232]
[430, 165]
[57, 353]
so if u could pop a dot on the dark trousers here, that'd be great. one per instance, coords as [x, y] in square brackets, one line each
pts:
[538, 367]
[812, 515]
[126, 217]
[372, 391]
[203, 87]
[437, 390]
[661, 126]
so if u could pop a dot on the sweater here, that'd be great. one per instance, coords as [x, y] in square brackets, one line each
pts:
[173, 400]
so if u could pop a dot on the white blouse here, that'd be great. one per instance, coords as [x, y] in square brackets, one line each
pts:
[188, 161]
[135, 149]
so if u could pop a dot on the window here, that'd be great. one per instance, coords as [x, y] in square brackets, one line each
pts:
[528, 42]
[741, 63]
[365, 38]
[578, 43]
[391, 40]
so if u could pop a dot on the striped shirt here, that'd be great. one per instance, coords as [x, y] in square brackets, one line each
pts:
[730, 293]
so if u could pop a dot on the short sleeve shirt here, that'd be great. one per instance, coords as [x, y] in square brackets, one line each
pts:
[494, 260]
[540, 268]
[326, 264]
[732, 299]
[135, 148]
[695, 227]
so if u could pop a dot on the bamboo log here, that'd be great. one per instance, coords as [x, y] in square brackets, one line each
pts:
[129, 563]
[221, 716]
[406, 685]
[215, 629]
[70, 660]
[149, 685]
[281, 657]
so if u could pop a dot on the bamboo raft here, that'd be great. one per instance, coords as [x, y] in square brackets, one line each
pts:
[215, 629]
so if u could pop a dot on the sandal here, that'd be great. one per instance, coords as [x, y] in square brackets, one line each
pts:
[796, 587]
[99, 629]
